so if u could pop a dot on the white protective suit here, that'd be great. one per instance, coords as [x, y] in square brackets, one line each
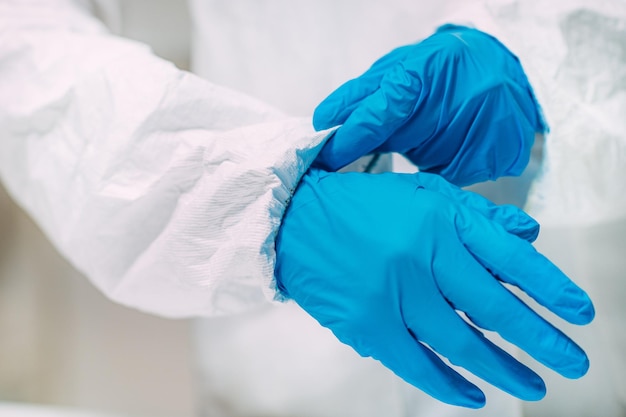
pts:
[166, 190]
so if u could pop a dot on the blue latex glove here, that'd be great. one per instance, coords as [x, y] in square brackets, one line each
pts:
[385, 260]
[457, 104]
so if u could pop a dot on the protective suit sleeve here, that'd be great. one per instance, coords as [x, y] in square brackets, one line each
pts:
[165, 190]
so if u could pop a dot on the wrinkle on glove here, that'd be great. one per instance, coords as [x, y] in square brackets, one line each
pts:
[385, 261]
[457, 104]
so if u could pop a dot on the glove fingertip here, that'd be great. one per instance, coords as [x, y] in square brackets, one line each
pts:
[474, 398]
[580, 310]
[527, 227]
[587, 313]
[517, 222]
[322, 116]
[339, 105]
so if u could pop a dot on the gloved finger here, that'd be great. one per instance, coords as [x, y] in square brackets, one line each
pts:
[513, 219]
[419, 366]
[388, 61]
[491, 306]
[515, 261]
[335, 109]
[455, 339]
[377, 116]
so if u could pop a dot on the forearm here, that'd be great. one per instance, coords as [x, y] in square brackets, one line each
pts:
[165, 190]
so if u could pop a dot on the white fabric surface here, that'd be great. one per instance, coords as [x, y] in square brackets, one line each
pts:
[133, 223]
[165, 190]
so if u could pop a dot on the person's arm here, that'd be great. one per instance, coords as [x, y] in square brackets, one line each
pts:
[163, 189]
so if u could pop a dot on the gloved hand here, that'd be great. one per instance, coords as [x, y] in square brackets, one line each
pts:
[457, 104]
[385, 260]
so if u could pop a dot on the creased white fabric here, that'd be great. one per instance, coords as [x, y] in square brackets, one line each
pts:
[165, 190]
